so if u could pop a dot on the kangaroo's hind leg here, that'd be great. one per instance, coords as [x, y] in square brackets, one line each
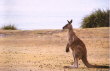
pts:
[75, 64]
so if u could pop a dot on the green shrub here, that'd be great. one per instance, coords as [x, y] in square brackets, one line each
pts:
[9, 27]
[99, 18]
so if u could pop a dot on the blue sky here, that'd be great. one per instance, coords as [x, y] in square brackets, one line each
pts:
[47, 14]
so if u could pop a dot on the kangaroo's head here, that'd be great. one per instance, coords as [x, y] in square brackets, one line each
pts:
[68, 25]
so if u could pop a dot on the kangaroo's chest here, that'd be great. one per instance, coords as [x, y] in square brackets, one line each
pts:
[71, 40]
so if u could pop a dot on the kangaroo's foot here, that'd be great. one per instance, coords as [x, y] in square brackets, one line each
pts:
[72, 66]
[75, 64]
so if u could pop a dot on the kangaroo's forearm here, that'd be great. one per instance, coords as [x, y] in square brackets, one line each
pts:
[67, 48]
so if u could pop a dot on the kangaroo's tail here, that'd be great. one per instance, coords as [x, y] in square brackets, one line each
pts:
[85, 61]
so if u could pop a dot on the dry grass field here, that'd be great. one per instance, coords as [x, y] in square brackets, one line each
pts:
[44, 50]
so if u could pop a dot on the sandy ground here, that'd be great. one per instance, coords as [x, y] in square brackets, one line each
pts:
[44, 50]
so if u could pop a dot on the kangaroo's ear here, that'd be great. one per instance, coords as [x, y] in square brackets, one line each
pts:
[68, 21]
[71, 21]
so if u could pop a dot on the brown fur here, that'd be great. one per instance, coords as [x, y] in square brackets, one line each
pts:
[78, 48]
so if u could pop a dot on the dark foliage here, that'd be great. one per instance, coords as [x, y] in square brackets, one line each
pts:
[99, 18]
[9, 27]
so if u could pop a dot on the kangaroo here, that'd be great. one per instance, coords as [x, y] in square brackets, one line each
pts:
[78, 48]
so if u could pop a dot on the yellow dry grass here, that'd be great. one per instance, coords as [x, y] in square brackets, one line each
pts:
[44, 50]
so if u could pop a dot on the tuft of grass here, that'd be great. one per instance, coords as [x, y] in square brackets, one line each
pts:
[9, 27]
